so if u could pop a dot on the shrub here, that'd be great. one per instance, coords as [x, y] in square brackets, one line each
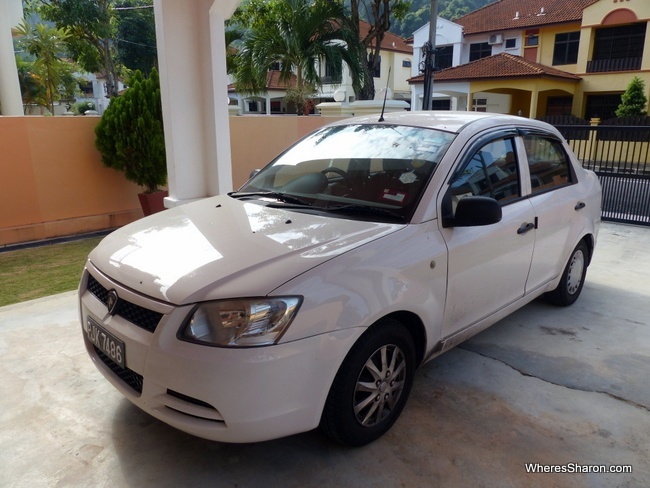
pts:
[633, 100]
[82, 107]
[130, 134]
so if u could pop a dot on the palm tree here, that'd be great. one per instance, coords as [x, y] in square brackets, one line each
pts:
[233, 36]
[298, 35]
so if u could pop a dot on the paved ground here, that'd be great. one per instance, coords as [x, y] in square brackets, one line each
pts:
[546, 385]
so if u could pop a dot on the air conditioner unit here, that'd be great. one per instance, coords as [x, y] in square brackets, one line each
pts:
[495, 39]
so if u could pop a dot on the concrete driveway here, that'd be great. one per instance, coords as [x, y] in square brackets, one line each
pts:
[546, 386]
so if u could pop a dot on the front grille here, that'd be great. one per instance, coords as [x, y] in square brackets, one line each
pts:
[137, 315]
[131, 378]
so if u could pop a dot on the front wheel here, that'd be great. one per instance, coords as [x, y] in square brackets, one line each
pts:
[372, 385]
[570, 286]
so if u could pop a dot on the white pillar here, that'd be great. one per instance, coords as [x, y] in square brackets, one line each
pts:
[11, 101]
[220, 168]
[534, 99]
[194, 89]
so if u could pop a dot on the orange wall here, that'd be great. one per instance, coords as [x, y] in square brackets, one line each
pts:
[52, 181]
[256, 140]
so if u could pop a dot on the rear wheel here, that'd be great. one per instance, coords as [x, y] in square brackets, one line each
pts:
[570, 286]
[372, 385]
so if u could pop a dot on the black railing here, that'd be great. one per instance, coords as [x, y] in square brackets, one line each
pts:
[620, 156]
[621, 64]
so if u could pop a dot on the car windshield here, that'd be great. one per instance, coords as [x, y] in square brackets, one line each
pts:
[363, 171]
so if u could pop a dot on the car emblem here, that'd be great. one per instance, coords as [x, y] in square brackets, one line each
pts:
[112, 302]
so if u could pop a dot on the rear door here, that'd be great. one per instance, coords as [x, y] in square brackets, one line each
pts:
[556, 203]
[487, 265]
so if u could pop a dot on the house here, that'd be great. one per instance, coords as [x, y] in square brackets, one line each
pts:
[395, 54]
[449, 45]
[270, 102]
[547, 57]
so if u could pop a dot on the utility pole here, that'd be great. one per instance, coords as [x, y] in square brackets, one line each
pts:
[429, 52]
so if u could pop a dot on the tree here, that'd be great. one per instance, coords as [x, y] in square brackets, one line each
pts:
[233, 35]
[297, 35]
[418, 13]
[54, 73]
[91, 28]
[136, 35]
[379, 13]
[634, 100]
[130, 134]
[32, 87]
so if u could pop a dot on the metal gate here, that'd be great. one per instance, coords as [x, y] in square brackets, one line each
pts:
[620, 156]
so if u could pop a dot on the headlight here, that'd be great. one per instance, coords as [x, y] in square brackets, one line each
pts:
[241, 322]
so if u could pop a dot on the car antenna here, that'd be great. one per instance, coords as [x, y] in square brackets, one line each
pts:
[383, 107]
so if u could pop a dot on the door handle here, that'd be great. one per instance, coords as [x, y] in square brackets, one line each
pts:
[525, 227]
[580, 206]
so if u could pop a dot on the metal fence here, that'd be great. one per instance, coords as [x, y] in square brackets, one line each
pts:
[620, 156]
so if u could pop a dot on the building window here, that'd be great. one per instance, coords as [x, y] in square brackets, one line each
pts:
[444, 57]
[532, 38]
[559, 106]
[618, 48]
[479, 105]
[479, 50]
[566, 48]
[333, 73]
[511, 43]
[441, 104]
[406, 63]
[86, 89]
[602, 106]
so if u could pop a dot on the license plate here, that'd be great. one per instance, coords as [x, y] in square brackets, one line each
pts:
[106, 342]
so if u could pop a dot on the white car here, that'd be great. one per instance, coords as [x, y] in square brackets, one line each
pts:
[309, 297]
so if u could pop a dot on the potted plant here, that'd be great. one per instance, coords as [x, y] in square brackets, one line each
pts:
[130, 138]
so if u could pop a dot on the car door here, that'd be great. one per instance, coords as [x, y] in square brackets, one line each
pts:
[556, 205]
[487, 265]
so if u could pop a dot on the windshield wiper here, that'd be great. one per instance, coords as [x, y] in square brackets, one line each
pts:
[365, 209]
[278, 195]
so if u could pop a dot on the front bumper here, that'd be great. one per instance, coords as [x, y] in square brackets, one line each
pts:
[222, 394]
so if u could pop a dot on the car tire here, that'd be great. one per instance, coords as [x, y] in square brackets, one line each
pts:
[570, 286]
[372, 385]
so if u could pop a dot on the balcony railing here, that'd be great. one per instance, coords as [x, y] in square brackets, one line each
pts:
[621, 64]
[331, 80]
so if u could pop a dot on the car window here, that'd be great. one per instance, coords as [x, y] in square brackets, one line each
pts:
[360, 166]
[548, 163]
[491, 171]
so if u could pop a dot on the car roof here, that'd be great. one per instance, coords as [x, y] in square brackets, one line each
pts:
[450, 121]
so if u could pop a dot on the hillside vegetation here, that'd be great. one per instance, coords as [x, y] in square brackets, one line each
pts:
[418, 14]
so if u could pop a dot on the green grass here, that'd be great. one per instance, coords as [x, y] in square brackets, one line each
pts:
[37, 272]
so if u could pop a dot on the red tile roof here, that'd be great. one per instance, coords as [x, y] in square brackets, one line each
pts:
[391, 42]
[501, 65]
[272, 82]
[502, 14]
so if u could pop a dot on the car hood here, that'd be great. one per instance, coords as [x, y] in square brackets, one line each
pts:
[221, 247]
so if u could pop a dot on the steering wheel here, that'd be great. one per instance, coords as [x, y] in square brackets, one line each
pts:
[343, 174]
[338, 171]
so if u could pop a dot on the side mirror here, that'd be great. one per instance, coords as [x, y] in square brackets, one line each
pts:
[474, 211]
[253, 173]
